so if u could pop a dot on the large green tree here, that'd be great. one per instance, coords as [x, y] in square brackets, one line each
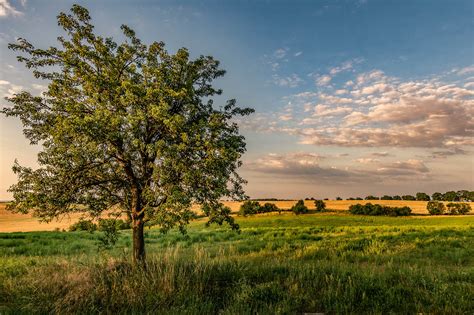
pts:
[127, 127]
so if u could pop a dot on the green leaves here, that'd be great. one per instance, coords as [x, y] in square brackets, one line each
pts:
[125, 124]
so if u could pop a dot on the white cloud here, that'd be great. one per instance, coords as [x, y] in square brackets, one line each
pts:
[323, 80]
[466, 70]
[382, 111]
[280, 53]
[6, 9]
[291, 81]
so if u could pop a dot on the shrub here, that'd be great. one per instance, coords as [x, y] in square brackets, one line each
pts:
[299, 207]
[458, 208]
[110, 229]
[249, 207]
[83, 225]
[371, 209]
[320, 205]
[370, 197]
[435, 207]
[269, 207]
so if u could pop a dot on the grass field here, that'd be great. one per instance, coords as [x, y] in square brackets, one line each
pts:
[278, 264]
[12, 222]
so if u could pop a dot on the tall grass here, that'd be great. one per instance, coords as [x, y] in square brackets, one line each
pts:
[278, 264]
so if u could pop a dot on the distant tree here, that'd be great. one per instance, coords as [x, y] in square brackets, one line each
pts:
[464, 195]
[320, 205]
[269, 207]
[386, 197]
[397, 197]
[249, 207]
[458, 208]
[125, 125]
[408, 197]
[422, 196]
[338, 198]
[370, 197]
[326, 198]
[437, 196]
[451, 196]
[359, 198]
[299, 207]
[435, 207]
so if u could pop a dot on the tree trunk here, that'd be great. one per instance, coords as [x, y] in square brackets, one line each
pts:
[138, 242]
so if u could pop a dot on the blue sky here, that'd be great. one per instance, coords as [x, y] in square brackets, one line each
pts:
[351, 97]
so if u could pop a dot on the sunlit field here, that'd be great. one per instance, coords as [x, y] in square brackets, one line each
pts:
[13, 222]
[328, 262]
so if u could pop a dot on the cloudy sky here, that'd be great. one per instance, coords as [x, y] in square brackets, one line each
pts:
[351, 97]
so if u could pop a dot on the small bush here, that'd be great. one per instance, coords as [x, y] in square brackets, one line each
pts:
[249, 207]
[269, 207]
[83, 225]
[299, 208]
[435, 207]
[110, 229]
[320, 205]
[458, 208]
[371, 209]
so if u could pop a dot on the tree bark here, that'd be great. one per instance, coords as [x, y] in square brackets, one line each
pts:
[138, 242]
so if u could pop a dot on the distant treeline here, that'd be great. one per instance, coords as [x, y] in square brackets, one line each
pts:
[460, 195]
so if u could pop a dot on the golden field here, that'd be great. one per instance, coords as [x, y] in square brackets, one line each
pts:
[14, 222]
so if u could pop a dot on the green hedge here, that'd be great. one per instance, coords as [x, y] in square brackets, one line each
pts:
[371, 209]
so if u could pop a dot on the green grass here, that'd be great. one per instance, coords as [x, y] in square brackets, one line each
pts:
[332, 263]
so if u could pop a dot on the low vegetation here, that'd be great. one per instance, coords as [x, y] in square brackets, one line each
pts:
[299, 208]
[251, 207]
[320, 205]
[438, 208]
[375, 209]
[278, 264]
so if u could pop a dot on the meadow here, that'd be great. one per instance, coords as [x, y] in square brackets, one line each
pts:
[330, 262]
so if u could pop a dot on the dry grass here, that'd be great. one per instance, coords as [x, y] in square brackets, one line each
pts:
[13, 222]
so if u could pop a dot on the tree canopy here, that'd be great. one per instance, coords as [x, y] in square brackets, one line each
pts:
[125, 126]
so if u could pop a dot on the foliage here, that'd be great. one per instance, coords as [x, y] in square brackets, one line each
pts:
[435, 207]
[458, 208]
[408, 197]
[376, 209]
[83, 225]
[249, 207]
[451, 196]
[320, 205]
[127, 125]
[370, 197]
[109, 227]
[422, 196]
[386, 197]
[299, 207]
[269, 207]
[397, 197]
